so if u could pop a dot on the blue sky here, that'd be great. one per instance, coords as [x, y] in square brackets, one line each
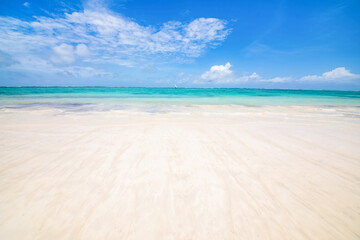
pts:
[262, 44]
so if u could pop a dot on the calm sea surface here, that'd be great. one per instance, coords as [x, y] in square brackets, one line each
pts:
[111, 97]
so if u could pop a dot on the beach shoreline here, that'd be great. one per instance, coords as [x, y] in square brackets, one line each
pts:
[218, 172]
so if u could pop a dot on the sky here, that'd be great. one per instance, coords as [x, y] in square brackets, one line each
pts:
[191, 43]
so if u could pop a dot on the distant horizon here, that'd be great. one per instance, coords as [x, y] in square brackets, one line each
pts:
[300, 89]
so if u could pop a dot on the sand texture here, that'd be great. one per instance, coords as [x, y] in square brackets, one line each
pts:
[239, 173]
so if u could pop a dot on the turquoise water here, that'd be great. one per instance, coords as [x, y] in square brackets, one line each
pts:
[82, 97]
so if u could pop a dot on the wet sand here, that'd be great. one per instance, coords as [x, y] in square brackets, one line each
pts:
[219, 173]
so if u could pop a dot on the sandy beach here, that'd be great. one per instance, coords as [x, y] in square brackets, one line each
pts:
[217, 173]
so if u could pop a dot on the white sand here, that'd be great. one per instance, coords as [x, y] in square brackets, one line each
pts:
[222, 173]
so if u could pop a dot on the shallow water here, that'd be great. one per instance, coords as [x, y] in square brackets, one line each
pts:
[158, 99]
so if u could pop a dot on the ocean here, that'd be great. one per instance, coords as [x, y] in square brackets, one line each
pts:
[108, 98]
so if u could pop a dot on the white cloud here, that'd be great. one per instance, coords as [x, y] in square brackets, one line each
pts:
[26, 4]
[221, 74]
[35, 65]
[82, 50]
[112, 38]
[217, 72]
[110, 35]
[82, 72]
[66, 54]
[206, 29]
[252, 77]
[339, 74]
[63, 53]
[277, 79]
